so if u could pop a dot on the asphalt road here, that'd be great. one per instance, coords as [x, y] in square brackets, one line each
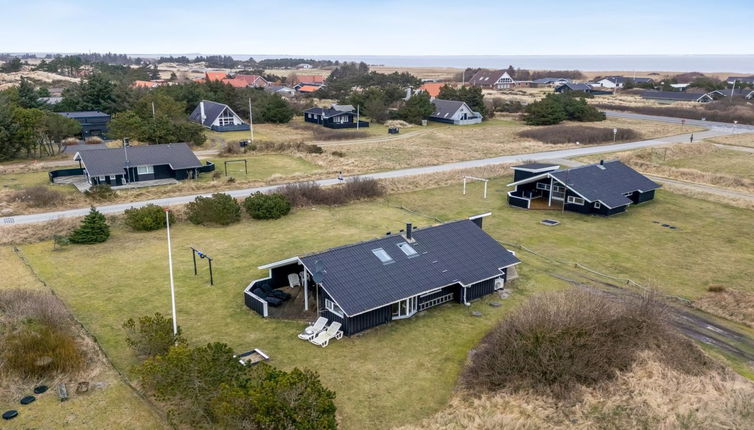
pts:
[718, 129]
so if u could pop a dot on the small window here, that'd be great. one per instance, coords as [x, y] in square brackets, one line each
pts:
[543, 186]
[112, 177]
[145, 170]
[407, 249]
[333, 307]
[575, 200]
[383, 256]
[102, 178]
[597, 205]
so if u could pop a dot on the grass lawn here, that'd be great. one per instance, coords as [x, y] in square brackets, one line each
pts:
[404, 371]
[729, 162]
[17, 181]
[262, 167]
[114, 406]
[740, 139]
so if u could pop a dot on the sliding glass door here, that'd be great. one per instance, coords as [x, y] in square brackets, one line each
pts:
[405, 308]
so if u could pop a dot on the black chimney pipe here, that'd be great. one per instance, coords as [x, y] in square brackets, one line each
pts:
[409, 231]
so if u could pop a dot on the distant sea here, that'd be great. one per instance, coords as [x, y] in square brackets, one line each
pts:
[670, 63]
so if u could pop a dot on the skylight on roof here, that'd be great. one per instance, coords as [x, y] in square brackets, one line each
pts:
[407, 249]
[382, 255]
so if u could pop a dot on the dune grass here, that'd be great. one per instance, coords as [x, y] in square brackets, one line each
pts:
[262, 167]
[404, 371]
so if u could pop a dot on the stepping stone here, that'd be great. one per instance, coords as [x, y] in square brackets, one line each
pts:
[39, 389]
[495, 304]
[476, 314]
[666, 225]
[28, 399]
[9, 415]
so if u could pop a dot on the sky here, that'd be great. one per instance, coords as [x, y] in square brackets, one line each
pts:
[390, 27]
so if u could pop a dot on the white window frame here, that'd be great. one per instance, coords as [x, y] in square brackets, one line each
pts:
[576, 200]
[112, 177]
[333, 308]
[407, 249]
[410, 308]
[597, 205]
[379, 253]
[543, 186]
[101, 179]
[145, 170]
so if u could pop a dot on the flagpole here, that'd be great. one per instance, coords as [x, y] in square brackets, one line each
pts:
[251, 122]
[170, 265]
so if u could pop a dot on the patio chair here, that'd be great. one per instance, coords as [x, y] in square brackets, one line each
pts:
[313, 329]
[323, 338]
[294, 280]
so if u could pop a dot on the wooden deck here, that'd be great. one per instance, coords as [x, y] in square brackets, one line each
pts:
[293, 309]
[541, 204]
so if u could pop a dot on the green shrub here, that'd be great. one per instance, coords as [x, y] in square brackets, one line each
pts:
[100, 192]
[209, 388]
[38, 350]
[152, 335]
[93, 229]
[267, 206]
[219, 209]
[147, 218]
[555, 108]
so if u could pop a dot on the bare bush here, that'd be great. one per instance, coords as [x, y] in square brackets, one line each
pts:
[68, 141]
[231, 148]
[286, 146]
[17, 305]
[38, 196]
[310, 193]
[577, 133]
[93, 140]
[558, 342]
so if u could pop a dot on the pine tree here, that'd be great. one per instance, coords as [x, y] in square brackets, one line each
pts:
[94, 229]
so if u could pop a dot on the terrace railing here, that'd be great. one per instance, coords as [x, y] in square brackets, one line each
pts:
[254, 302]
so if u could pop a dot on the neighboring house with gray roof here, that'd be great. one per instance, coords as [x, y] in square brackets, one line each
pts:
[678, 96]
[493, 79]
[281, 90]
[454, 112]
[93, 123]
[604, 188]
[334, 118]
[572, 86]
[366, 284]
[120, 166]
[217, 117]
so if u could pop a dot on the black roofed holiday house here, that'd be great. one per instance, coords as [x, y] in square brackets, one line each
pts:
[604, 188]
[217, 117]
[454, 112]
[120, 166]
[337, 116]
[366, 284]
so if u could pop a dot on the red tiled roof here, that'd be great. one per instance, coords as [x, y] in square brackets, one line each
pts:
[308, 88]
[215, 76]
[236, 83]
[432, 88]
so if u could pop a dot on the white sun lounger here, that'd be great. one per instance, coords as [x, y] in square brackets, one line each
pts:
[314, 329]
[323, 338]
[293, 280]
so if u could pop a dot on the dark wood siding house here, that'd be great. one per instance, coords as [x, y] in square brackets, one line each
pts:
[604, 188]
[334, 118]
[366, 284]
[218, 117]
[120, 166]
[93, 123]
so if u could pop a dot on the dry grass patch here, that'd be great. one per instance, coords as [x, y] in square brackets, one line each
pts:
[650, 394]
[579, 134]
[739, 139]
[730, 303]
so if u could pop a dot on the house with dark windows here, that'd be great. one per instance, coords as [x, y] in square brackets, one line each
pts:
[122, 166]
[93, 123]
[366, 284]
[217, 116]
[604, 188]
[336, 116]
[492, 79]
[454, 112]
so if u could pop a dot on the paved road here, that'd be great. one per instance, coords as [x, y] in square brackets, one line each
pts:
[507, 159]
[731, 128]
